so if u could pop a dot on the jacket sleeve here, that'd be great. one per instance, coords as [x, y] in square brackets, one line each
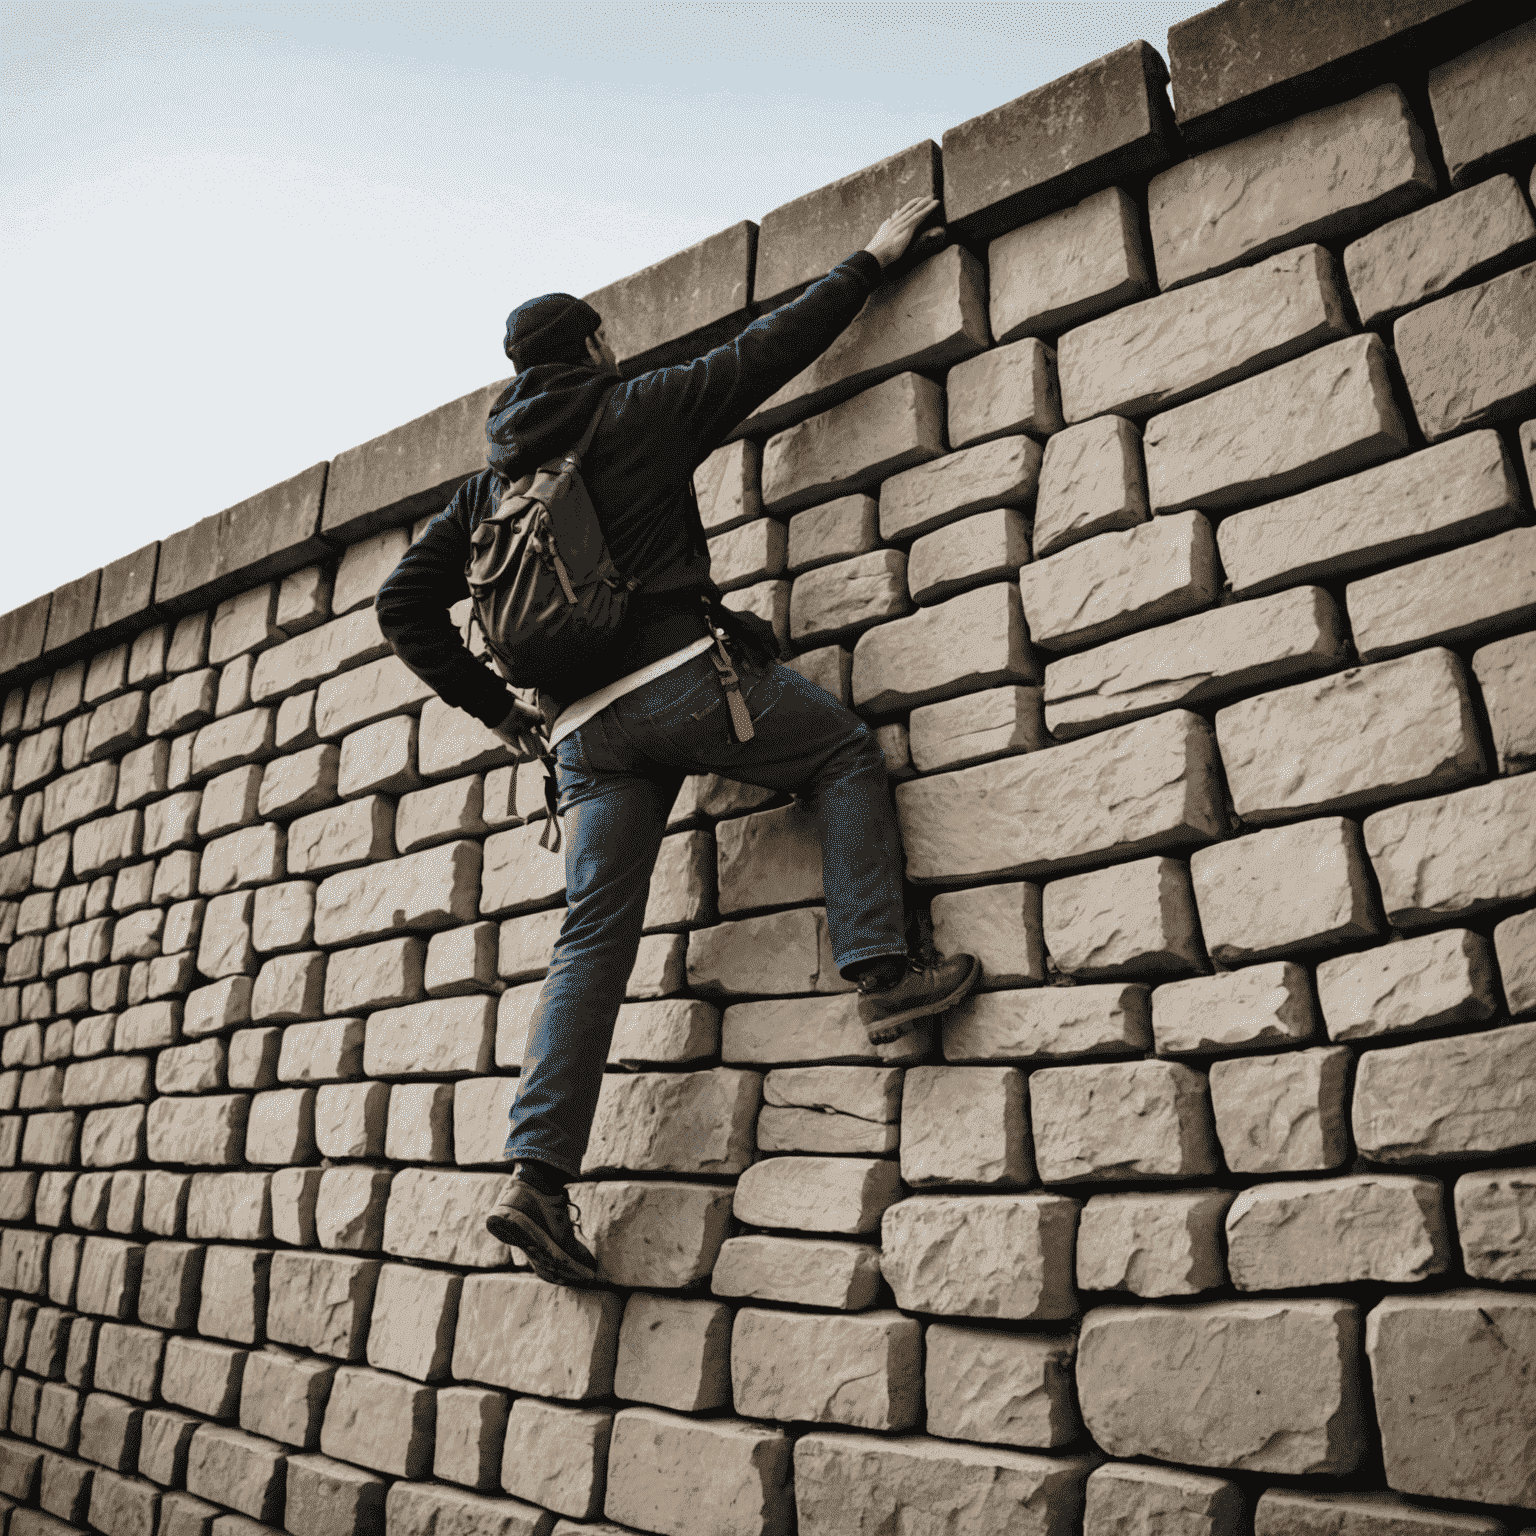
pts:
[413, 605]
[701, 401]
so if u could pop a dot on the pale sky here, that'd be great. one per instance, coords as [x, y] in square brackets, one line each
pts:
[242, 238]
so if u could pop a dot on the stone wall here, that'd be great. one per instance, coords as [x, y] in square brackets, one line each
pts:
[1171, 518]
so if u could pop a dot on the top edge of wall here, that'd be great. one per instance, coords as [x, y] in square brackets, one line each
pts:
[1236, 68]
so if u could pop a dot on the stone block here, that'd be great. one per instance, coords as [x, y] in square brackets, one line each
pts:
[817, 1194]
[557, 1456]
[1506, 675]
[350, 1119]
[1180, 345]
[1452, 1380]
[769, 601]
[449, 1037]
[839, 530]
[653, 317]
[520, 876]
[522, 1333]
[1134, 919]
[526, 944]
[108, 1283]
[1482, 114]
[1006, 1256]
[350, 1208]
[1091, 481]
[361, 832]
[854, 446]
[304, 781]
[1007, 390]
[1201, 659]
[809, 1271]
[1430, 982]
[965, 1125]
[420, 1124]
[1000, 1388]
[999, 472]
[1283, 1114]
[1126, 1496]
[674, 1353]
[957, 646]
[78, 796]
[170, 1287]
[321, 1302]
[202, 1375]
[1327, 175]
[1314, 418]
[1247, 890]
[986, 546]
[1375, 1227]
[914, 1479]
[282, 916]
[368, 693]
[440, 1216]
[1141, 1119]
[1496, 1223]
[1103, 123]
[1133, 1361]
[831, 1110]
[410, 470]
[842, 600]
[182, 704]
[781, 954]
[379, 758]
[654, 1232]
[768, 859]
[326, 1498]
[107, 1080]
[1466, 357]
[928, 315]
[1118, 582]
[1162, 1244]
[806, 1031]
[1451, 243]
[480, 1109]
[243, 1472]
[1252, 1009]
[198, 1131]
[440, 813]
[694, 1122]
[172, 822]
[1454, 854]
[471, 1429]
[728, 486]
[862, 1370]
[1000, 925]
[420, 892]
[291, 988]
[379, 1421]
[100, 847]
[413, 1317]
[1144, 788]
[321, 653]
[1298, 1512]
[414, 1509]
[234, 1206]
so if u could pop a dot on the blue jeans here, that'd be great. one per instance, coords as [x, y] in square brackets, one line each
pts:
[618, 776]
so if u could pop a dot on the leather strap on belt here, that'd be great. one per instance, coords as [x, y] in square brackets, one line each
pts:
[741, 721]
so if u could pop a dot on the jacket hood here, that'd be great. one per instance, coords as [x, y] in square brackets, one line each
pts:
[541, 414]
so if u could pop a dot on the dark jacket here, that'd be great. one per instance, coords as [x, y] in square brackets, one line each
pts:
[654, 432]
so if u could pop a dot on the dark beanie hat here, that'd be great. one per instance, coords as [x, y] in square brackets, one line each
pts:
[549, 329]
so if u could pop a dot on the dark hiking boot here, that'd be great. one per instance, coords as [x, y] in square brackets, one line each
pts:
[922, 991]
[541, 1226]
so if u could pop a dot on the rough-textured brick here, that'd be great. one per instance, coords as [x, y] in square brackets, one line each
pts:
[976, 640]
[1483, 114]
[1003, 1255]
[1009, 389]
[1252, 1009]
[660, 1233]
[1438, 1100]
[1453, 1380]
[520, 1332]
[1430, 982]
[421, 892]
[1383, 1227]
[1132, 920]
[986, 546]
[1446, 494]
[1134, 1119]
[557, 1456]
[999, 1388]
[440, 1216]
[817, 1194]
[811, 1271]
[519, 875]
[697, 1122]
[207, 1130]
[414, 1509]
[1163, 1244]
[1067, 268]
[1312, 419]
[855, 445]
[1133, 1362]
[839, 530]
[1000, 472]
[1455, 854]
[1496, 1223]
[379, 1421]
[1124, 1495]
[965, 1125]
[1248, 888]
[1000, 925]
[1142, 788]
[1328, 174]
[321, 1302]
[1515, 943]
[1506, 676]
[1283, 1114]
[1091, 481]
[831, 1110]
[674, 1353]
[841, 600]
[1103, 123]
[914, 1479]
[728, 486]
[1467, 358]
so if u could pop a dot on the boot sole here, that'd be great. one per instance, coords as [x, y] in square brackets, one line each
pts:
[899, 1024]
[549, 1260]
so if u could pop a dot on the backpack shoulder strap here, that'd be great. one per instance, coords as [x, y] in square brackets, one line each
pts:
[579, 451]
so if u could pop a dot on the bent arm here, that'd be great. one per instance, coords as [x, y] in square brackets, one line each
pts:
[413, 605]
